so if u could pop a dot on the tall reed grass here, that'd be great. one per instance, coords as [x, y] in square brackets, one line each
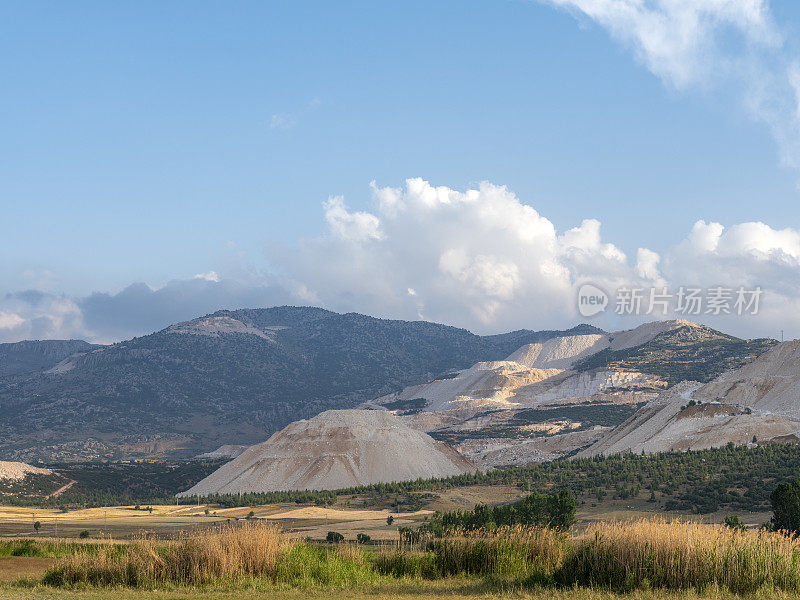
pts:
[229, 554]
[637, 554]
[517, 552]
[680, 554]
[224, 553]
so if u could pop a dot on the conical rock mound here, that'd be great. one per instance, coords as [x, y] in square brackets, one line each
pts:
[334, 450]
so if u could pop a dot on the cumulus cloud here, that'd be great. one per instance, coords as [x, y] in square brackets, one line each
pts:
[647, 264]
[352, 226]
[725, 44]
[32, 314]
[479, 258]
[482, 259]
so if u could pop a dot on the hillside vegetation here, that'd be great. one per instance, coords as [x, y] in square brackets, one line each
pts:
[685, 353]
[234, 375]
[730, 478]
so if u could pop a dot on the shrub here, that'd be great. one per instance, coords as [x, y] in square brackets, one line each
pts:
[84, 534]
[734, 522]
[363, 538]
[305, 564]
[334, 537]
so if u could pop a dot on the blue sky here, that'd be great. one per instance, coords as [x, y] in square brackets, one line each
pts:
[150, 142]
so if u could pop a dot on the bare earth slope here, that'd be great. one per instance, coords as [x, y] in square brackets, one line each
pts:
[760, 400]
[770, 384]
[17, 470]
[334, 450]
[559, 396]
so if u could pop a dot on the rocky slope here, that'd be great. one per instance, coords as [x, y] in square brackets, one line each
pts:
[756, 403]
[232, 377]
[770, 384]
[334, 450]
[553, 398]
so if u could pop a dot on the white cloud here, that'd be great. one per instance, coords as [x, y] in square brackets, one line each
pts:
[350, 226]
[10, 320]
[484, 260]
[647, 264]
[39, 315]
[210, 276]
[479, 259]
[711, 44]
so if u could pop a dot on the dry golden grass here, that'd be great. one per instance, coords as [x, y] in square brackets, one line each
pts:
[224, 553]
[675, 554]
[643, 554]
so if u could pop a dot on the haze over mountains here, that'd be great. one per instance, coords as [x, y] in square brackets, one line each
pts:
[231, 377]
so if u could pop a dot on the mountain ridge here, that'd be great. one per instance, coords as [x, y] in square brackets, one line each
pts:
[227, 377]
[26, 356]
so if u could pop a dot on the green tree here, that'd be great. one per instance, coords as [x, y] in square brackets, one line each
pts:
[785, 501]
[389, 520]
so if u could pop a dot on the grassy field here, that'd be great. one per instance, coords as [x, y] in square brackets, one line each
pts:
[689, 559]
[347, 515]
